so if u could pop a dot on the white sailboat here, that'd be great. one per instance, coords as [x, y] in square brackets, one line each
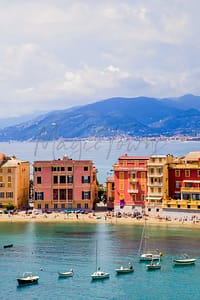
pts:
[144, 253]
[98, 274]
[154, 265]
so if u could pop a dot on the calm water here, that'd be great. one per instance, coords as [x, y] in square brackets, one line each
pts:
[60, 246]
[103, 153]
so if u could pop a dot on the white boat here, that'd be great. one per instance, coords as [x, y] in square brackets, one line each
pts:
[144, 253]
[125, 270]
[69, 273]
[184, 260]
[98, 274]
[154, 265]
[27, 279]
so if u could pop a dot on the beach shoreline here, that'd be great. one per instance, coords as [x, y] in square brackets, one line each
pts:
[97, 218]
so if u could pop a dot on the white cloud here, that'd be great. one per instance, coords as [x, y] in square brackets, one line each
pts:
[65, 53]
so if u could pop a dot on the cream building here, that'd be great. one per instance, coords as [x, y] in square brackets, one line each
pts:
[14, 182]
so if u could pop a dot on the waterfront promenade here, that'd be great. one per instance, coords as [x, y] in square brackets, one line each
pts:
[97, 217]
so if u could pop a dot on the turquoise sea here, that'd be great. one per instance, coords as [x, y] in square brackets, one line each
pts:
[47, 248]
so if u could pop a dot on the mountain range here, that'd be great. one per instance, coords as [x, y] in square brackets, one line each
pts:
[134, 117]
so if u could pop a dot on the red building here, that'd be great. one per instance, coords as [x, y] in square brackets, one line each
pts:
[130, 180]
[184, 182]
[64, 184]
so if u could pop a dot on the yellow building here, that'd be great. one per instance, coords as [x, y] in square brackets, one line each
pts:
[110, 192]
[14, 182]
[157, 183]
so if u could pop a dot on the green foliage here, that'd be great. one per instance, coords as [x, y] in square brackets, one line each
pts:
[10, 206]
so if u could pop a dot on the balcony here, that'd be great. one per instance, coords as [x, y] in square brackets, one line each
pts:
[132, 191]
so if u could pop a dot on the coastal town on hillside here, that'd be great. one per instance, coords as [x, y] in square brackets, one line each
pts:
[155, 185]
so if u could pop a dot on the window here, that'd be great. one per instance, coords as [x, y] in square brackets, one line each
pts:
[62, 169]
[85, 195]
[151, 171]
[69, 179]
[186, 196]
[187, 173]
[55, 206]
[1, 194]
[70, 194]
[63, 206]
[62, 194]
[133, 175]
[78, 205]
[159, 171]
[55, 179]
[37, 169]
[63, 179]
[178, 184]
[177, 173]
[39, 196]
[69, 169]
[86, 205]
[55, 194]
[46, 206]
[39, 206]
[39, 180]
[85, 179]
[85, 168]
[9, 170]
[9, 179]
[9, 195]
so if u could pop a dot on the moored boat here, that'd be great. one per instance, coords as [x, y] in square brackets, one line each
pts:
[100, 275]
[125, 270]
[154, 265]
[66, 274]
[184, 261]
[8, 246]
[27, 278]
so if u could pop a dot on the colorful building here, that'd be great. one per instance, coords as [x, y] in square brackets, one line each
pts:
[14, 182]
[184, 184]
[64, 184]
[110, 192]
[130, 180]
[157, 174]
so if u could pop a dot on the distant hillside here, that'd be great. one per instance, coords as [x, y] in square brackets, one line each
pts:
[141, 117]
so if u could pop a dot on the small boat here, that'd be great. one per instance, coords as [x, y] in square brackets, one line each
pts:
[100, 275]
[69, 273]
[184, 261]
[125, 270]
[144, 253]
[27, 279]
[154, 265]
[8, 246]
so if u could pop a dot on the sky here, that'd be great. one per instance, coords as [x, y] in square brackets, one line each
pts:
[59, 54]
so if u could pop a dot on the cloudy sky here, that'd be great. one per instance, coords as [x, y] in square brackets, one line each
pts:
[64, 53]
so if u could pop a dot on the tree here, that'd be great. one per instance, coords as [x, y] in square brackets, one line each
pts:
[10, 206]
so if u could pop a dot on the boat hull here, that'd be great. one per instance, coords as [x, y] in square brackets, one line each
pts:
[23, 281]
[124, 271]
[184, 262]
[153, 267]
[100, 275]
[65, 274]
[149, 257]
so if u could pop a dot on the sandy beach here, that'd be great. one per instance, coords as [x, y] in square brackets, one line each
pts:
[100, 217]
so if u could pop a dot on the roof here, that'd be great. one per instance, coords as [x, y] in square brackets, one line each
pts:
[131, 157]
[195, 155]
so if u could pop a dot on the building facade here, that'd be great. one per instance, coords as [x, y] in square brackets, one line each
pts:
[158, 184]
[14, 182]
[184, 184]
[110, 192]
[64, 184]
[130, 180]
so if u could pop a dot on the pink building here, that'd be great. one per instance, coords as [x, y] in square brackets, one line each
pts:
[130, 180]
[64, 184]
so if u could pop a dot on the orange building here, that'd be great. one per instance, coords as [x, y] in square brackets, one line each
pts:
[14, 182]
[64, 184]
[110, 192]
[130, 179]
